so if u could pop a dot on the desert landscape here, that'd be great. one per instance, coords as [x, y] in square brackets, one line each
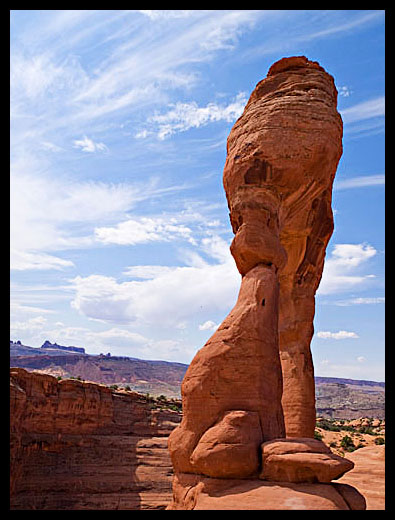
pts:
[66, 435]
[186, 353]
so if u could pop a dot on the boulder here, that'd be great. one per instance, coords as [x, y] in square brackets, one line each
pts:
[230, 448]
[301, 460]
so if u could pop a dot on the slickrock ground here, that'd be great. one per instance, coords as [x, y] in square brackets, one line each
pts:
[79, 445]
[368, 475]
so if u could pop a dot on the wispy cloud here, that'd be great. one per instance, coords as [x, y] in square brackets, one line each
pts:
[365, 110]
[24, 260]
[61, 213]
[358, 301]
[304, 26]
[163, 14]
[87, 145]
[359, 182]
[184, 116]
[349, 24]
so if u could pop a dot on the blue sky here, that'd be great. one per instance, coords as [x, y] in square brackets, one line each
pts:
[119, 224]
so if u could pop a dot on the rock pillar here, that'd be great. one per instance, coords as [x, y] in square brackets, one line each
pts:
[248, 395]
[282, 155]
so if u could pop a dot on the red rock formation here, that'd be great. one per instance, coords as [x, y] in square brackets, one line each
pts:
[194, 492]
[79, 445]
[368, 475]
[282, 155]
[238, 369]
[301, 460]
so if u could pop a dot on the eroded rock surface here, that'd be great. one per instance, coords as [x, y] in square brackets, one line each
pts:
[301, 460]
[194, 492]
[368, 475]
[256, 371]
[238, 369]
[282, 155]
[79, 445]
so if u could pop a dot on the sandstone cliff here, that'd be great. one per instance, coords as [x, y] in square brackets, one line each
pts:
[78, 445]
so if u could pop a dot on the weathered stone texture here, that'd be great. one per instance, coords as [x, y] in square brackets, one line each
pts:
[238, 369]
[79, 445]
[256, 371]
[282, 155]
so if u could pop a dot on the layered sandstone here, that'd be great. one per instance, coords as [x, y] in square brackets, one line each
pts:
[252, 384]
[80, 445]
[282, 155]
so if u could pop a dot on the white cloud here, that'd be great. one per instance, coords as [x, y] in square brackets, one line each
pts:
[344, 91]
[163, 301]
[341, 269]
[341, 334]
[147, 272]
[164, 297]
[27, 326]
[360, 182]
[87, 145]
[142, 134]
[114, 337]
[119, 341]
[352, 255]
[20, 309]
[142, 230]
[360, 301]
[361, 359]
[159, 14]
[53, 213]
[364, 110]
[23, 260]
[208, 325]
[184, 116]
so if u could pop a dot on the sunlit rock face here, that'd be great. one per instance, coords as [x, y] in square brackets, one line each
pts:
[253, 381]
[282, 156]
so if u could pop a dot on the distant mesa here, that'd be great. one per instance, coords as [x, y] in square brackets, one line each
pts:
[17, 348]
[48, 345]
